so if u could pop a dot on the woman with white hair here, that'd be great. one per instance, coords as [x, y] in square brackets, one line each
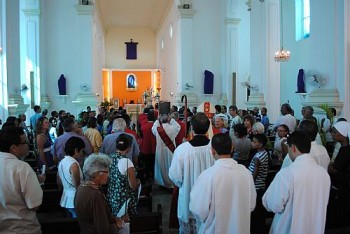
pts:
[220, 124]
[93, 213]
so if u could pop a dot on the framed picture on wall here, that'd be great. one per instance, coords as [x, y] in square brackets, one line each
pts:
[116, 102]
[131, 82]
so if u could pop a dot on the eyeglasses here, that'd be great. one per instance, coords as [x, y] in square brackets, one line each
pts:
[107, 172]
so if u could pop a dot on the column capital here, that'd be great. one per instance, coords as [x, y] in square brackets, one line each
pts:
[31, 7]
[234, 21]
[85, 9]
[185, 13]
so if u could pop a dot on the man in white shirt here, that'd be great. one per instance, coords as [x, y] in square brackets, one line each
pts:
[20, 191]
[224, 195]
[287, 118]
[235, 119]
[299, 194]
[317, 152]
[189, 160]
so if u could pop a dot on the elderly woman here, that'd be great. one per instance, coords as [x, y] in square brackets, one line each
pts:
[122, 181]
[220, 124]
[93, 212]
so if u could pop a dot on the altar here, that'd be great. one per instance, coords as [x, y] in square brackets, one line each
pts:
[134, 110]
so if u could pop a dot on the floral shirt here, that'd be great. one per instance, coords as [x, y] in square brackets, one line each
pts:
[119, 190]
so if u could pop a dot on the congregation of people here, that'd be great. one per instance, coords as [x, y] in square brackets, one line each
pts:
[229, 171]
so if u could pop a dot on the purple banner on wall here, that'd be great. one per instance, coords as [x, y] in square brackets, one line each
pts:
[131, 49]
[208, 82]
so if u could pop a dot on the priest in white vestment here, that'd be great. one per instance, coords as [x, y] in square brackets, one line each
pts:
[299, 194]
[224, 195]
[163, 154]
[189, 161]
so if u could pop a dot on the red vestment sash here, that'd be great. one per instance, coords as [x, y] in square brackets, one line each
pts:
[166, 139]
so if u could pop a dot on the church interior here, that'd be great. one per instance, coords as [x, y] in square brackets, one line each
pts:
[133, 53]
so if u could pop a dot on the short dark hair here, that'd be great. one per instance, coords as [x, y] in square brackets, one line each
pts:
[234, 108]
[151, 115]
[222, 143]
[250, 118]
[240, 130]
[53, 113]
[36, 108]
[309, 127]
[68, 124]
[9, 136]
[200, 123]
[217, 108]
[301, 140]
[92, 122]
[287, 107]
[123, 141]
[72, 144]
[261, 138]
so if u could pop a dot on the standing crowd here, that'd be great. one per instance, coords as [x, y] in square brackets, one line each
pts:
[219, 166]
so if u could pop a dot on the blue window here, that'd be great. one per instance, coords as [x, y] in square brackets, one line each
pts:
[302, 19]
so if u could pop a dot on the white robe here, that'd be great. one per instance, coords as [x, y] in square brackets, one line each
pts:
[298, 196]
[317, 152]
[223, 197]
[163, 155]
[187, 164]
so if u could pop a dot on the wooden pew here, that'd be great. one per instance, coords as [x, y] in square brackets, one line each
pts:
[147, 222]
[51, 201]
[58, 223]
[145, 200]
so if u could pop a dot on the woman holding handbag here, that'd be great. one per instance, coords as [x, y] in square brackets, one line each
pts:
[122, 184]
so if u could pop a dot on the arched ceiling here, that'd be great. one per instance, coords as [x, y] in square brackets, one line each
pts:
[133, 13]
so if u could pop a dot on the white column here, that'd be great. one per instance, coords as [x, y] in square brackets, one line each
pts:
[85, 54]
[3, 68]
[231, 53]
[185, 57]
[30, 50]
[346, 109]
[265, 72]
[272, 76]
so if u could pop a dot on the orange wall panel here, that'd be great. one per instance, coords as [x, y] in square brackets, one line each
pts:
[144, 82]
[105, 88]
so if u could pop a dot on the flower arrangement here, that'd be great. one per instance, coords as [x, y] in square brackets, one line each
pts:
[106, 104]
[330, 116]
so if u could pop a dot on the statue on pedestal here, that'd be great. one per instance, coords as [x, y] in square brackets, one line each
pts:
[62, 85]
[301, 82]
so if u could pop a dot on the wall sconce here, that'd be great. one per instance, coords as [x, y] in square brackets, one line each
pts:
[24, 88]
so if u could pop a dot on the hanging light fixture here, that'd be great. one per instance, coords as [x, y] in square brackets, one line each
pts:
[282, 55]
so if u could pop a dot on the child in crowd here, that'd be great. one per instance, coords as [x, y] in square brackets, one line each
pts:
[259, 168]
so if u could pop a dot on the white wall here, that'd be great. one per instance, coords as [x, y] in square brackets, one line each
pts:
[115, 55]
[168, 59]
[65, 52]
[321, 52]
